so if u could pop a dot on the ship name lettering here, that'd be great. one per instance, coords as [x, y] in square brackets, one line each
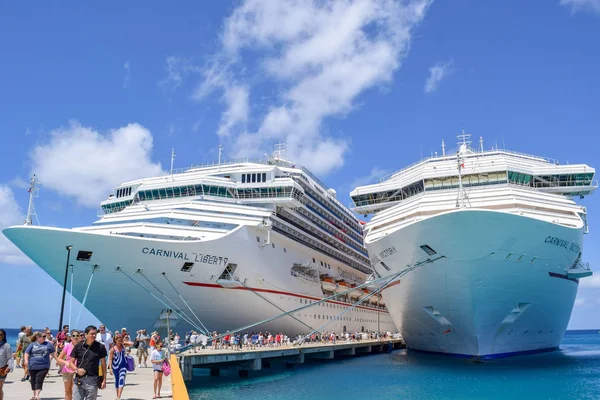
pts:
[201, 258]
[565, 244]
[388, 252]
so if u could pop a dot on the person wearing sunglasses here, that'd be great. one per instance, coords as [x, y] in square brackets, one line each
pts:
[37, 360]
[88, 354]
[117, 362]
[63, 360]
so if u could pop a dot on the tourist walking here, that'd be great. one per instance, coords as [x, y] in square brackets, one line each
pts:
[63, 360]
[104, 337]
[19, 354]
[5, 357]
[25, 342]
[157, 358]
[88, 353]
[37, 360]
[117, 362]
[142, 349]
[154, 337]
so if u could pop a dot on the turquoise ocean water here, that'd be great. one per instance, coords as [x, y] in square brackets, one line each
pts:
[573, 372]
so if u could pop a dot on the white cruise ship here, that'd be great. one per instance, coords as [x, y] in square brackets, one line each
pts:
[497, 238]
[229, 244]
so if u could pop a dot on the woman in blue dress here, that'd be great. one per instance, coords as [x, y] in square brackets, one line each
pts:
[117, 362]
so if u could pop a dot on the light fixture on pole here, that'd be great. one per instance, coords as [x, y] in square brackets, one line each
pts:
[62, 305]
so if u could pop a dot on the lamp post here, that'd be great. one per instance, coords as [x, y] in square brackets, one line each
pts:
[62, 305]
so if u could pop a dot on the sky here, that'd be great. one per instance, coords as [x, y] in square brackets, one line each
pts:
[94, 94]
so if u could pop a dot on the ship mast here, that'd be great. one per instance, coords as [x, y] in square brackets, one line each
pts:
[463, 149]
[172, 160]
[33, 193]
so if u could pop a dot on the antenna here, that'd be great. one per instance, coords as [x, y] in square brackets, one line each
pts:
[462, 195]
[503, 146]
[443, 148]
[172, 160]
[481, 143]
[33, 193]
[464, 141]
[280, 150]
[220, 151]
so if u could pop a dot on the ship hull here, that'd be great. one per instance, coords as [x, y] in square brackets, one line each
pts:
[493, 283]
[129, 289]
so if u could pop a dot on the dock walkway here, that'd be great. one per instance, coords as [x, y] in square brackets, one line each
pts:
[264, 357]
[138, 387]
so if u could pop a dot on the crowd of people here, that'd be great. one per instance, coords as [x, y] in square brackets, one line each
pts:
[82, 358]
[254, 340]
[85, 358]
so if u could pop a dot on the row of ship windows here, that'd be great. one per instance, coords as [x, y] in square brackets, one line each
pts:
[218, 191]
[326, 265]
[300, 237]
[253, 178]
[313, 232]
[342, 318]
[335, 210]
[334, 306]
[451, 182]
[123, 192]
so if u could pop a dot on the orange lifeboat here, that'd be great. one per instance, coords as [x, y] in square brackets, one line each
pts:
[356, 293]
[328, 284]
[342, 286]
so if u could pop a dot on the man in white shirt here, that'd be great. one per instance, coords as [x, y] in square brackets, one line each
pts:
[104, 337]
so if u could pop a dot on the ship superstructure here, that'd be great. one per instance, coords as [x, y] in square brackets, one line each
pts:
[239, 241]
[499, 239]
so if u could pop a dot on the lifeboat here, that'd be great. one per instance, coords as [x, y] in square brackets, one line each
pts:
[365, 293]
[342, 286]
[374, 300]
[328, 284]
[356, 293]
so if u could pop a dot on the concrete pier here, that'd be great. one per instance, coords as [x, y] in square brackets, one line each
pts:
[246, 361]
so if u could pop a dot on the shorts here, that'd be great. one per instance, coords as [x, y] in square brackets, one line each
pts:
[68, 376]
[141, 351]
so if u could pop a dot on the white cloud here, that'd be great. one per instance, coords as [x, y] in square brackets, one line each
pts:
[87, 164]
[318, 57]
[582, 5]
[127, 74]
[579, 301]
[177, 68]
[373, 177]
[591, 281]
[10, 214]
[236, 113]
[436, 74]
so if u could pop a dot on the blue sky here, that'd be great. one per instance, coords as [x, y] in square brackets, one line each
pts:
[95, 94]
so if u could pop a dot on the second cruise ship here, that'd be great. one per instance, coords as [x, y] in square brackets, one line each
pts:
[497, 238]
